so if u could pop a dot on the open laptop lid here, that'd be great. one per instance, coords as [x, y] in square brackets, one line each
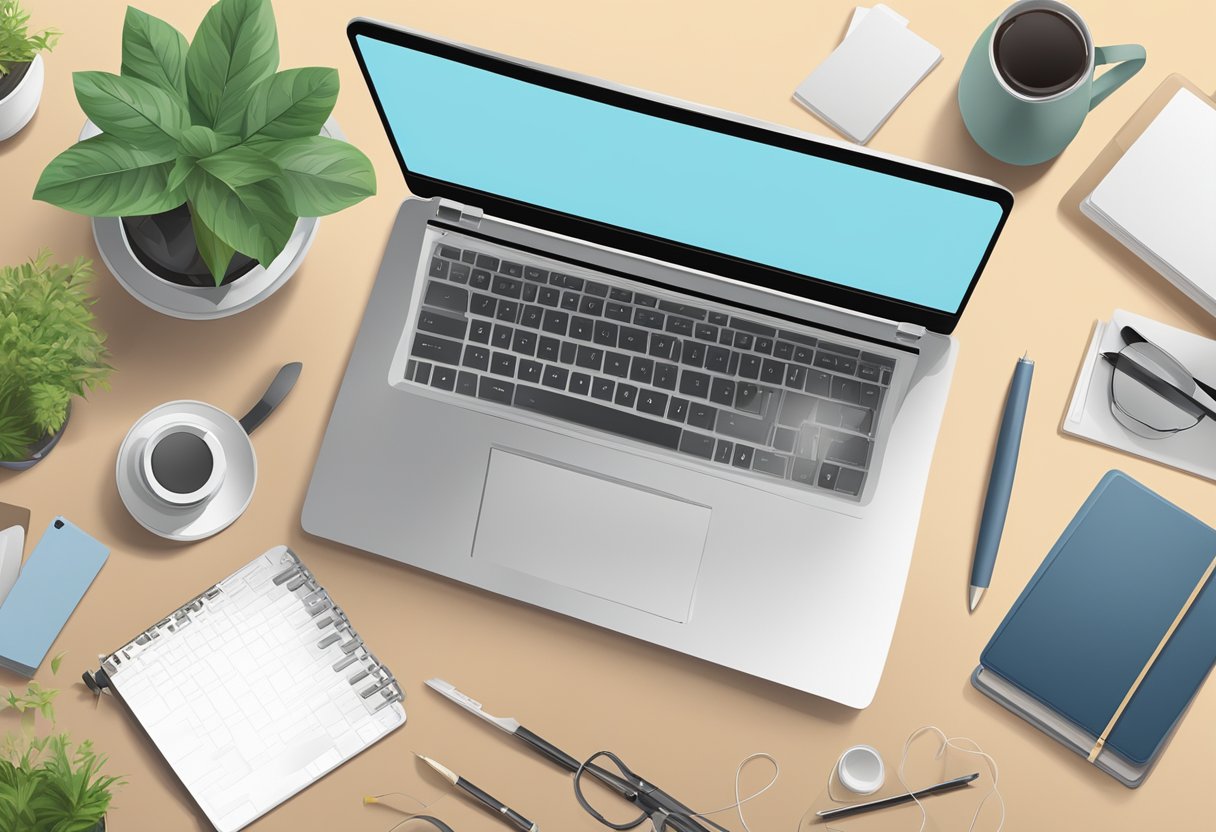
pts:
[675, 182]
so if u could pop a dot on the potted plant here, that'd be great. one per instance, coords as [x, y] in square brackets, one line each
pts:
[46, 783]
[21, 68]
[49, 352]
[210, 164]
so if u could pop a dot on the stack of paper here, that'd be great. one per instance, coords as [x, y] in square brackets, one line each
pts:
[1159, 199]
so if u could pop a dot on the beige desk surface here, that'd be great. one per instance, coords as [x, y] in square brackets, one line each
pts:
[683, 722]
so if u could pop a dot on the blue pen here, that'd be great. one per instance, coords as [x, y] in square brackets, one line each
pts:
[1000, 481]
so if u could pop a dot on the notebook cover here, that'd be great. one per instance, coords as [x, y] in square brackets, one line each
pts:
[54, 579]
[1090, 618]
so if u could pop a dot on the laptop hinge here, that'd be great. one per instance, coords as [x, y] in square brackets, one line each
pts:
[909, 333]
[455, 212]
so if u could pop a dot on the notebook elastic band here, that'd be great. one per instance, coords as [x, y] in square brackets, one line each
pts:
[1110, 726]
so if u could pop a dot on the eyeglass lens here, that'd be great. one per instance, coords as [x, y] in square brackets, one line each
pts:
[1143, 410]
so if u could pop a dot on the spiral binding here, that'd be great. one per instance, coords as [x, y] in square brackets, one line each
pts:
[381, 688]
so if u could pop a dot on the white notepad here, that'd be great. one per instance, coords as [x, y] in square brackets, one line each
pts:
[256, 689]
[873, 69]
[1160, 198]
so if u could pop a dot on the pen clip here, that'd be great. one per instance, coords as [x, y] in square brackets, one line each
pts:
[472, 705]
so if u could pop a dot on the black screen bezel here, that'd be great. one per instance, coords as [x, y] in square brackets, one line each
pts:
[659, 248]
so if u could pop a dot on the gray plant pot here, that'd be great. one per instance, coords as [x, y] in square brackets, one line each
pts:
[40, 449]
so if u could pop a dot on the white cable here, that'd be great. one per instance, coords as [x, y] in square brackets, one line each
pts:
[953, 742]
[739, 800]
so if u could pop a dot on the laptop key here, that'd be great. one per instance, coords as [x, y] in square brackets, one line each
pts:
[483, 305]
[785, 439]
[818, 382]
[556, 322]
[769, 462]
[589, 358]
[718, 319]
[692, 353]
[524, 342]
[702, 415]
[722, 451]
[422, 372]
[446, 296]
[846, 449]
[533, 273]
[748, 398]
[616, 364]
[706, 332]
[645, 300]
[764, 345]
[605, 333]
[626, 394]
[744, 340]
[744, 427]
[530, 370]
[677, 411]
[795, 376]
[503, 364]
[631, 338]
[548, 296]
[869, 372]
[555, 377]
[836, 363]
[581, 328]
[742, 456]
[513, 269]
[466, 383]
[697, 444]
[569, 301]
[648, 318]
[620, 295]
[694, 384]
[508, 310]
[599, 290]
[652, 402]
[804, 355]
[439, 268]
[717, 359]
[529, 292]
[772, 372]
[485, 261]
[870, 396]
[568, 351]
[591, 414]
[849, 481]
[662, 346]
[783, 350]
[434, 348]
[547, 348]
[429, 321]
[501, 337]
[532, 317]
[601, 388]
[476, 357]
[575, 283]
[722, 391]
[752, 327]
[618, 312]
[749, 366]
[641, 369]
[827, 475]
[480, 279]
[449, 252]
[846, 390]
[458, 273]
[479, 331]
[444, 378]
[580, 383]
[680, 326]
[468, 256]
[506, 287]
[591, 305]
[803, 471]
[665, 375]
[495, 389]
[682, 309]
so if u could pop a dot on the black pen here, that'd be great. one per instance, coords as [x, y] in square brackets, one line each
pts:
[907, 797]
[484, 798]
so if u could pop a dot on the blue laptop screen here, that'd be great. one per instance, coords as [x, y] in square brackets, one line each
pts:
[859, 228]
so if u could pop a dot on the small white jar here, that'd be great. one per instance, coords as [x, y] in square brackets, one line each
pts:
[19, 106]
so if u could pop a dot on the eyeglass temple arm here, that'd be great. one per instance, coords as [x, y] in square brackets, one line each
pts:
[1131, 336]
[1159, 385]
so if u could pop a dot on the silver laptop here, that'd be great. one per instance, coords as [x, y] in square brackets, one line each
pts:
[659, 367]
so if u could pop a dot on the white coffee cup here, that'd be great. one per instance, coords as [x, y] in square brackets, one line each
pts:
[860, 770]
[183, 464]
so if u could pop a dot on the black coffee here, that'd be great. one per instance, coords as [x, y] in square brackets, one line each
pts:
[1040, 52]
[182, 462]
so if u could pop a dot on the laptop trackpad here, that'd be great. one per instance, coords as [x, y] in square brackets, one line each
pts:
[604, 537]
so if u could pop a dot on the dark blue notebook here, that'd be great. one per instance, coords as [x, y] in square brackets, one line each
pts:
[1103, 599]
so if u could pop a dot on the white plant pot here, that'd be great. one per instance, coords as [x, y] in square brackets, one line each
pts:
[19, 106]
[200, 302]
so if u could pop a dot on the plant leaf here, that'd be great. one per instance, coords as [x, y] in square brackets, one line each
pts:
[155, 52]
[215, 252]
[198, 141]
[181, 170]
[291, 104]
[240, 165]
[131, 109]
[106, 177]
[321, 175]
[253, 219]
[56, 663]
[235, 47]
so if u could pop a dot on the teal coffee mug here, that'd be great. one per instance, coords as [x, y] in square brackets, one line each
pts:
[1029, 81]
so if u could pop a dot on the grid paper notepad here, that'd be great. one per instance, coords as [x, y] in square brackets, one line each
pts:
[255, 689]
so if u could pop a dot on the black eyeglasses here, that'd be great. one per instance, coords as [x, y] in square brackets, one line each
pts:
[1153, 394]
[617, 797]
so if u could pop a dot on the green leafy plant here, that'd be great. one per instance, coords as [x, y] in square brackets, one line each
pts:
[17, 45]
[49, 349]
[46, 783]
[213, 124]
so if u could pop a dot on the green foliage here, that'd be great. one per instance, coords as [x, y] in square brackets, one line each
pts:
[17, 45]
[49, 349]
[46, 784]
[212, 123]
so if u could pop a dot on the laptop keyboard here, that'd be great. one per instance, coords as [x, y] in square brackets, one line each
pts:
[609, 355]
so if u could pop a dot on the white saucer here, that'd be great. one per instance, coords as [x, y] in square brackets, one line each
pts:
[191, 522]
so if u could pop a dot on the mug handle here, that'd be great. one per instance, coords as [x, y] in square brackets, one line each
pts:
[1129, 56]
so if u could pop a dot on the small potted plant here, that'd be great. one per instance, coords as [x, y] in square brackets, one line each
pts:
[21, 68]
[47, 784]
[212, 165]
[49, 352]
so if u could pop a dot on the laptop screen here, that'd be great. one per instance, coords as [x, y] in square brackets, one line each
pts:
[808, 209]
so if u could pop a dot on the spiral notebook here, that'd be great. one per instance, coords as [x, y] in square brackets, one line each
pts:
[255, 689]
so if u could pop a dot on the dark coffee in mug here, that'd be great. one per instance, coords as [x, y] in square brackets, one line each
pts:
[1040, 52]
[182, 462]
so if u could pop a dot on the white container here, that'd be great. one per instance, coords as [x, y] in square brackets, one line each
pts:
[19, 106]
[860, 770]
